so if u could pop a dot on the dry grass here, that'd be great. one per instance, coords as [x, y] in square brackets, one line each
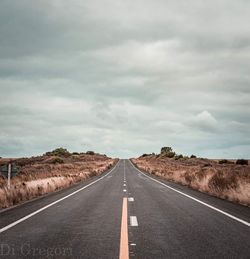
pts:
[227, 181]
[45, 174]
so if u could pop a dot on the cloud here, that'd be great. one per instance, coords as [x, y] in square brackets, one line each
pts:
[204, 121]
[125, 77]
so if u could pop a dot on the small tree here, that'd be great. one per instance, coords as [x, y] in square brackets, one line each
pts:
[167, 151]
[59, 152]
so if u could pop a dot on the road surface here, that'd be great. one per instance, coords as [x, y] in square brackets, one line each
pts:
[126, 214]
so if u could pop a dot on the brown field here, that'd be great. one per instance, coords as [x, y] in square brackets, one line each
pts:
[48, 173]
[228, 181]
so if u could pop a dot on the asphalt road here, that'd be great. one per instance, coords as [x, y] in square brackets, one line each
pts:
[125, 213]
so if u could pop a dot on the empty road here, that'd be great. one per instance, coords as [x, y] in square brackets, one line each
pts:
[125, 213]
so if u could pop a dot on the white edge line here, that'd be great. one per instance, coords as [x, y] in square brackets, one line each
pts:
[197, 200]
[53, 203]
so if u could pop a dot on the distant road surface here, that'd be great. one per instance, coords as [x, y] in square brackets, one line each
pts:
[126, 214]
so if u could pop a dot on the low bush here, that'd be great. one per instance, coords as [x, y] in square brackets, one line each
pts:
[90, 153]
[242, 162]
[178, 157]
[59, 152]
[57, 160]
[171, 154]
[223, 161]
[192, 156]
[167, 152]
[189, 178]
[221, 182]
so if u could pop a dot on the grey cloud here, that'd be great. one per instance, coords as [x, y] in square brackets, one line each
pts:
[204, 121]
[125, 77]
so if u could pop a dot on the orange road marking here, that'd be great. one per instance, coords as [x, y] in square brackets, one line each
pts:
[124, 253]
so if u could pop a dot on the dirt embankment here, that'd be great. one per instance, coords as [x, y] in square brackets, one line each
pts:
[228, 181]
[48, 173]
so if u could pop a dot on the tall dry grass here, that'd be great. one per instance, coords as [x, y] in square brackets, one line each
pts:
[42, 175]
[226, 181]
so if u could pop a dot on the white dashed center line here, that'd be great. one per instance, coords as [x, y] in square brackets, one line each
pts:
[133, 221]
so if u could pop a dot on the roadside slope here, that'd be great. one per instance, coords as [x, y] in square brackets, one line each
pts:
[227, 181]
[173, 225]
[85, 224]
[50, 172]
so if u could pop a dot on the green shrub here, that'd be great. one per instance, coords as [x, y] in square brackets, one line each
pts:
[57, 160]
[192, 156]
[242, 162]
[90, 152]
[59, 152]
[171, 154]
[144, 155]
[167, 152]
[223, 161]
[178, 157]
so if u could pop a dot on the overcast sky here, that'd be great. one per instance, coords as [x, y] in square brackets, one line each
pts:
[125, 77]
